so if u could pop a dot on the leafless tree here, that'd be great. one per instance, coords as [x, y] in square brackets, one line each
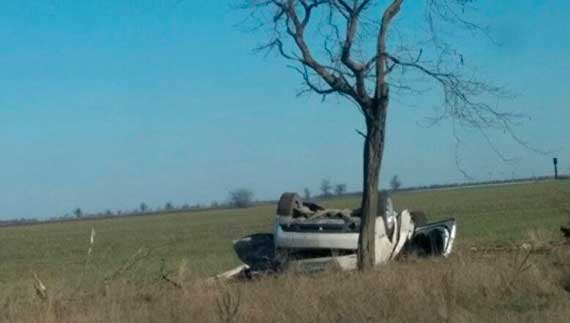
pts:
[352, 49]
[241, 197]
[168, 206]
[326, 187]
[340, 189]
[395, 183]
[307, 194]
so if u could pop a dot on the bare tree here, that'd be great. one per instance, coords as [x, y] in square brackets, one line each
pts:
[340, 189]
[326, 187]
[307, 193]
[168, 206]
[241, 197]
[395, 183]
[351, 49]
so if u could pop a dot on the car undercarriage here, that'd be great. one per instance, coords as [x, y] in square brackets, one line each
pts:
[308, 237]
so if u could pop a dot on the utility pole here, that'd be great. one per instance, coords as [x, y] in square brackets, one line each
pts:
[555, 161]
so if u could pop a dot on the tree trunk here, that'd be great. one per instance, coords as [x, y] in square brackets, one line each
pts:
[373, 151]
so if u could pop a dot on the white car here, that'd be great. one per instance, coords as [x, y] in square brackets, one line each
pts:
[308, 236]
[306, 230]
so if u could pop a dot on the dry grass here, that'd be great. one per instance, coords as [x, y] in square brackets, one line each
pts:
[504, 286]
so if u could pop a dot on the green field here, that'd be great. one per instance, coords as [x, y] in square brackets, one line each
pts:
[201, 241]
[123, 279]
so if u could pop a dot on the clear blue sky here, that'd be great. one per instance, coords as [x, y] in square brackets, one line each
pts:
[106, 104]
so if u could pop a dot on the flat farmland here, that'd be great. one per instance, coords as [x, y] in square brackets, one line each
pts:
[122, 278]
[203, 240]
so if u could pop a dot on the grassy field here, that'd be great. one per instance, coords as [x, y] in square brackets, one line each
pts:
[133, 250]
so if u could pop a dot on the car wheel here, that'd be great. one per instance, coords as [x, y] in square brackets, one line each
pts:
[287, 203]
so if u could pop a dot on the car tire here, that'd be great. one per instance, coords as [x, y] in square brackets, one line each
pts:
[287, 203]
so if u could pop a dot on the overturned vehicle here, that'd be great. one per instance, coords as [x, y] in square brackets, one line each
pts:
[309, 237]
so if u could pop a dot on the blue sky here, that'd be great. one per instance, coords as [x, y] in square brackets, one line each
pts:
[106, 104]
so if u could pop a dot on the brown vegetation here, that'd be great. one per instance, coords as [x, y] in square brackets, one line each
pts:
[526, 284]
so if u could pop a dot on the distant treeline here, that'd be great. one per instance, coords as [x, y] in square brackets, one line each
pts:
[481, 183]
[467, 184]
[117, 214]
[171, 209]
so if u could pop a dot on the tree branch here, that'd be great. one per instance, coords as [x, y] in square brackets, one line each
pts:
[387, 17]
[336, 82]
[358, 69]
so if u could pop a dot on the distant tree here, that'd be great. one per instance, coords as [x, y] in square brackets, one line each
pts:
[326, 187]
[241, 197]
[214, 204]
[78, 213]
[307, 193]
[168, 206]
[395, 183]
[185, 206]
[143, 207]
[108, 213]
[340, 189]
